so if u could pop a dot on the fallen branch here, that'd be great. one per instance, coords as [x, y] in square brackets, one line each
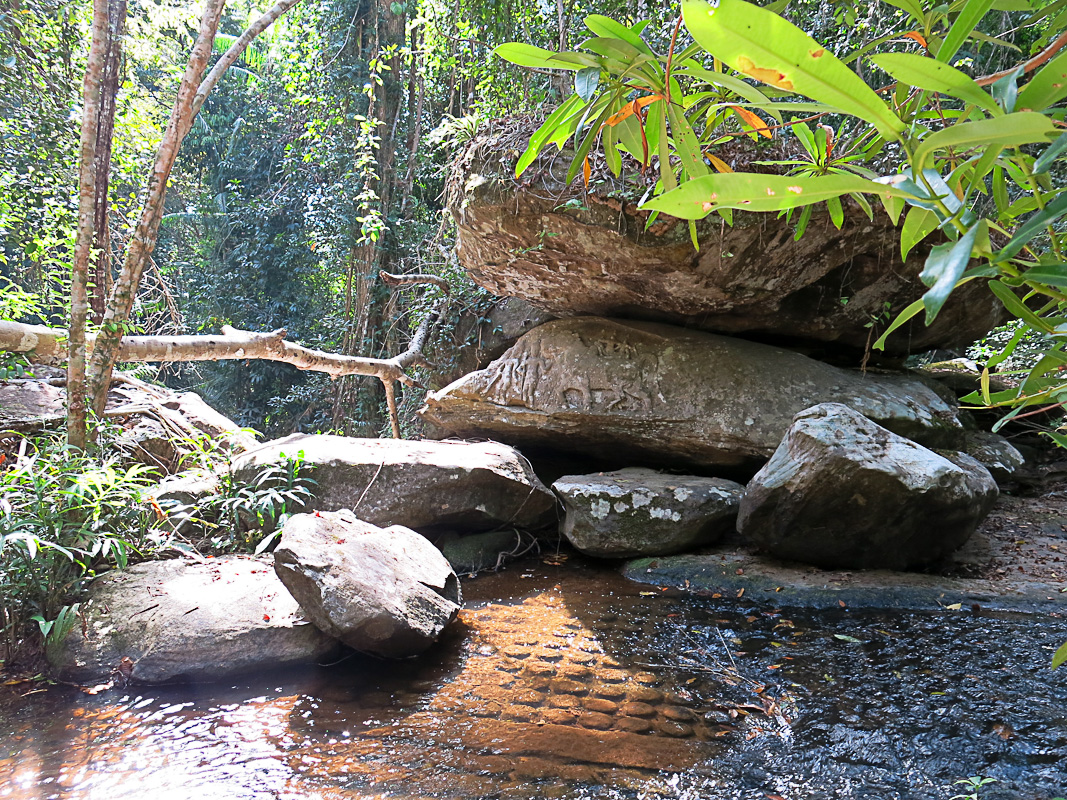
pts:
[49, 346]
[406, 280]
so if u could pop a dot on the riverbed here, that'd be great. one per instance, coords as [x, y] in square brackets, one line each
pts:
[563, 680]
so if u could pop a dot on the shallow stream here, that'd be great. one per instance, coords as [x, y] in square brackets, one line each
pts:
[582, 685]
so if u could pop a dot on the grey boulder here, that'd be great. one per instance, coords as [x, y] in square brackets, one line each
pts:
[636, 511]
[427, 486]
[183, 619]
[669, 395]
[842, 492]
[387, 592]
[996, 454]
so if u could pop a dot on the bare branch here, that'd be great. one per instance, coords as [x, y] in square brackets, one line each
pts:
[238, 47]
[415, 278]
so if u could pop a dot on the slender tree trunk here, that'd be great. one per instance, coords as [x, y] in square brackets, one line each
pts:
[109, 90]
[192, 92]
[143, 239]
[79, 298]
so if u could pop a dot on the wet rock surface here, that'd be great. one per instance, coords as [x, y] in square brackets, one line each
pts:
[387, 592]
[807, 706]
[181, 619]
[623, 389]
[843, 492]
[636, 511]
[996, 454]
[427, 486]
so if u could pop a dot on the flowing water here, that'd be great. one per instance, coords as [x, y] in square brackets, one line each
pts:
[582, 685]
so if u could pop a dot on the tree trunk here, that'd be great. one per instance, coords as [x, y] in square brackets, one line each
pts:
[109, 90]
[192, 92]
[87, 178]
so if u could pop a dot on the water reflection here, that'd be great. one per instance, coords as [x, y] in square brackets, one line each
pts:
[585, 687]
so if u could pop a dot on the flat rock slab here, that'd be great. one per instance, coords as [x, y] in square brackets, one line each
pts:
[387, 592]
[843, 492]
[637, 511]
[428, 486]
[182, 619]
[672, 395]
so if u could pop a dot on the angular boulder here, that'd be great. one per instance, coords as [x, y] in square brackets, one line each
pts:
[428, 486]
[842, 492]
[387, 592]
[640, 512]
[672, 395]
[996, 454]
[577, 250]
[182, 619]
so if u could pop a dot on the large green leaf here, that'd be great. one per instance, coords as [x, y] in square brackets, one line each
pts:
[1047, 87]
[548, 128]
[1047, 275]
[912, 8]
[768, 48]
[926, 73]
[918, 224]
[966, 21]
[1033, 226]
[697, 198]
[944, 267]
[528, 55]
[607, 27]
[1052, 152]
[1007, 296]
[902, 318]
[1011, 130]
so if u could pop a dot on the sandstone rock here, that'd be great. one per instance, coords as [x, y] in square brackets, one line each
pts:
[996, 454]
[180, 619]
[843, 492]
[672, 395]
[576, 252]
[428, 486]
[479, 336]
[28, 404]
[636, 511]
[387, 592]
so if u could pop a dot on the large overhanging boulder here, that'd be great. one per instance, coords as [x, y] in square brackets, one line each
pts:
[576, 252]
[675, 396]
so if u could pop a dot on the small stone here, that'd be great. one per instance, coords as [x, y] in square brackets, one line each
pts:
[633, 724]
[675, 729]
[600, 705]
[599, 722]
[678, 714]
[645, 694]
[633, 709]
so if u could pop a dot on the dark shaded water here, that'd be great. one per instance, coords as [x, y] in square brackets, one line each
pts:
[583, 685]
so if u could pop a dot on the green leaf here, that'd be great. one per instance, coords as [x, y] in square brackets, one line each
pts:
[1060, 656]
[1006, 90]
[1032, 227]
[609, 28]
[913, 8]
[546, 131]
[1011, 130]
[1052, 152]
[966, 21]
[1047, 275]
[837, 213]
[902, 318]
[1047, 87]
[766, 47]
[944, 266]
[585, 82]
[1016, 306]
[934, 76]
[528, 55]
[918, 224]
[686, 144]
[697, 198]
